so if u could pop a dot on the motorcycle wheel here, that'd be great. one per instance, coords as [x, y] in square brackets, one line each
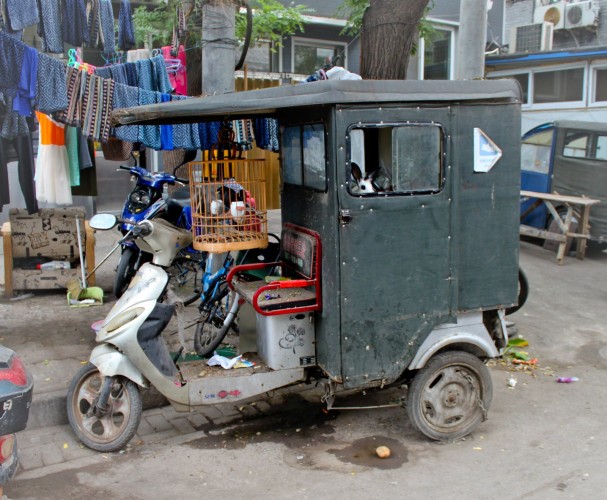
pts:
[125, 271]
[450, 396]
[209, 334]
[117, 426]
[523, 292]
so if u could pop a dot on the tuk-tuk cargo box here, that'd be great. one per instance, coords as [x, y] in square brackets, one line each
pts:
[286, 341]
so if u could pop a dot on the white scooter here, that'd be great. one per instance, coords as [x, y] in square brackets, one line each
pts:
[103, 402]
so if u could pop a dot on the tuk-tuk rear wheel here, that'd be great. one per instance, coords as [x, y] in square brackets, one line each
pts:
[450, 396]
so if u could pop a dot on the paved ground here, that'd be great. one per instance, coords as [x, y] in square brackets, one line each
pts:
[542, 439]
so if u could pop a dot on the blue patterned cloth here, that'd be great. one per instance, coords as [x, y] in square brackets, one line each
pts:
[160, 75]
[126, 30]
[11, 60]
[107, 25]
[26, 92]
[185, 135]
[266, 133]
[74, 25]
[126, 97]
[11, 124]
[22, 13]
[132, 77]
[149, 135]
[166, 131]
[49, 27]
[208, 133]
[145, 74]
[51, 92]
[103, 72]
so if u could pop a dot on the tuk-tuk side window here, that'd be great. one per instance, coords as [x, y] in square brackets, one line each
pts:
[588, 145]
[304, 156]
[396, 159]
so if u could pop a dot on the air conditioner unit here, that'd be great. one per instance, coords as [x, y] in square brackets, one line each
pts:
[581, 14]
[531, 37]
[552, 13]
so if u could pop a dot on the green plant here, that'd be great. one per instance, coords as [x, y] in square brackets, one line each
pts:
[272, 21]
[155, 26]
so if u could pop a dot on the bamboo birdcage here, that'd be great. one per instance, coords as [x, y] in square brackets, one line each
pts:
[228, 199]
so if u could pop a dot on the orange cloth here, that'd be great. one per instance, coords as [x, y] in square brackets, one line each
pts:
[51, 132]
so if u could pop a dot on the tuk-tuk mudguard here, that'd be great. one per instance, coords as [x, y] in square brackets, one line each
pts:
[469, 330]
[111, 362]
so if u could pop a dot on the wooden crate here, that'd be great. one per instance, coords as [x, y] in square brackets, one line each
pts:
[228, 205]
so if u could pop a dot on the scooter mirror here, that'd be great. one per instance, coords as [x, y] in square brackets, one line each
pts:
[103, 221]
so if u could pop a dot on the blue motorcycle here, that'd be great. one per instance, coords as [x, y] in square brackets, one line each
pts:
[147, 201]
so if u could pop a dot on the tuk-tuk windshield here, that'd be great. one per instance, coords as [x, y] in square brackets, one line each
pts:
[396, 158]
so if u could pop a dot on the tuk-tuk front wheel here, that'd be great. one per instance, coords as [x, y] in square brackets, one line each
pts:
[450, 396]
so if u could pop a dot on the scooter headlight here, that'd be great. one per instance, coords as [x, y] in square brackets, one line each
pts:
[140, 199]
[123, 318]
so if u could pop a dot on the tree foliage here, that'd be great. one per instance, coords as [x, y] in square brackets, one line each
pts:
[272, 21]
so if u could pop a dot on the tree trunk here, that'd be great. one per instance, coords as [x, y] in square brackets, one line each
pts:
[388, 33]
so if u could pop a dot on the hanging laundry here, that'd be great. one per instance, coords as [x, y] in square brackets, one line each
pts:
[107, 26]
[185, 135]
[72, 146]
[160, 75]
[126, 97]
[266, 133]
[166, 131]
[72, 114]
[15, 134]
[5, 24]
[126, 30]
[176, 69]
[51, 90]
[26, 91]
[21, 13]
[49, 27]
[52, 166]
[11, 59]
[149, 135]
[137, 54]
[74, 24]
[207, 132]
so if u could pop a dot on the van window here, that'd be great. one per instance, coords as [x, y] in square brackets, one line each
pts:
[585, 144]
[304, 156]
[395, 158]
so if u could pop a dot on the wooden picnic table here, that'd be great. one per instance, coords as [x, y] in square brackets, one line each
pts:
[578, 204]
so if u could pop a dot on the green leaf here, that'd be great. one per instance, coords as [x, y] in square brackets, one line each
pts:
[517, 342]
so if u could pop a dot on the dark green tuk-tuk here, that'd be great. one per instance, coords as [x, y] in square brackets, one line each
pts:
[400, 202]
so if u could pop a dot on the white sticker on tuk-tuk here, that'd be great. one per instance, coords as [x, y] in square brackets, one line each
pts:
[486, 152]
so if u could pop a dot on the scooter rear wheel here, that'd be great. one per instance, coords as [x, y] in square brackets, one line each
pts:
[114, 428]
[450, 396]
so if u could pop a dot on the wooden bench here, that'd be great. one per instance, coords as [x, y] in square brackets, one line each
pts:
[297, 285]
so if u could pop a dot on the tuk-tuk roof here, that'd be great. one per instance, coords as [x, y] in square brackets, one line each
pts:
[529, 136]
[267, 102]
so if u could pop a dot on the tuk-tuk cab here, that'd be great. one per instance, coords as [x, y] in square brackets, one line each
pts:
[569, 158]
[400, 213]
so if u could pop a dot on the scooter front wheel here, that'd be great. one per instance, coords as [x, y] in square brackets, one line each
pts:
[125, 271]
[109, 429]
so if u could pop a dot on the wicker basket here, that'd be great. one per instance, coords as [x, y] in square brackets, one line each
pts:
[228, 205]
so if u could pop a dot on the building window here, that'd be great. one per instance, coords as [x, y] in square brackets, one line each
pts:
[558, 86]
[523, 80]
[310, 56]
[600, 85]
[437, 55]
[395, 159]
